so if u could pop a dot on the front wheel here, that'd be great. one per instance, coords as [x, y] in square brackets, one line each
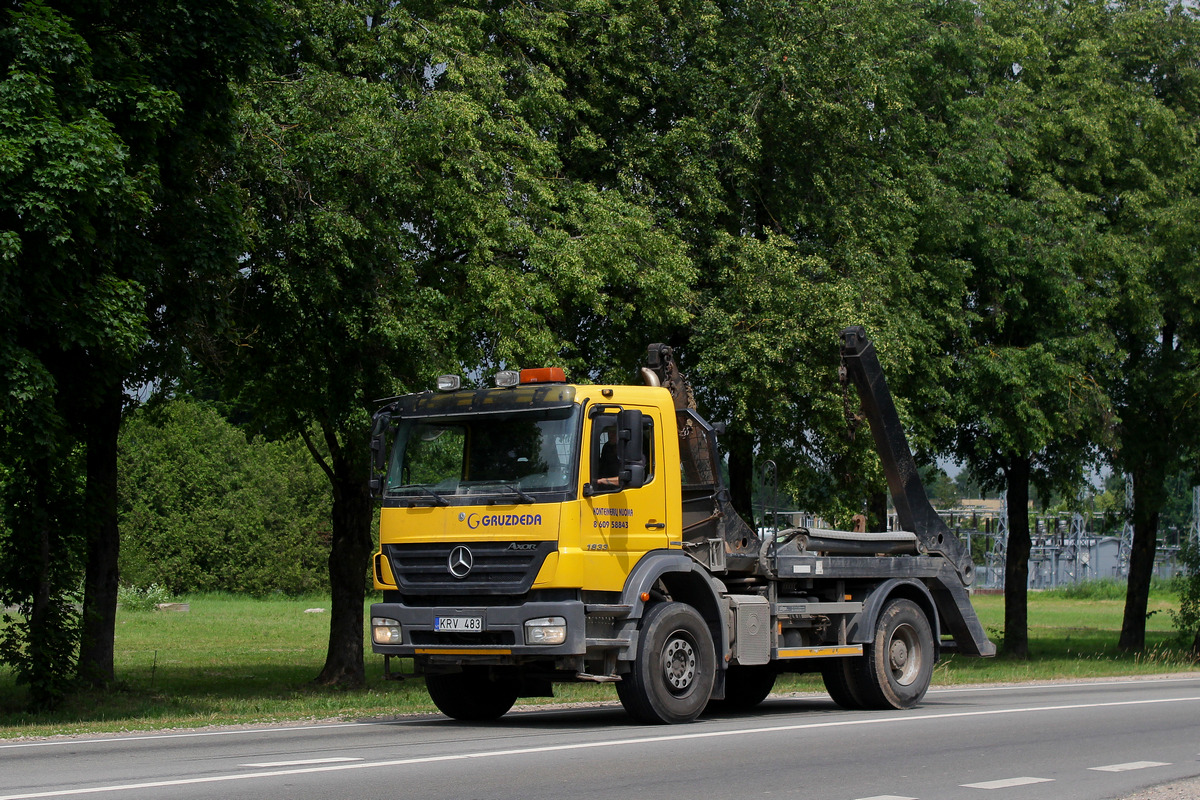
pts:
[672, 675]
[897, 665]
[471, 695]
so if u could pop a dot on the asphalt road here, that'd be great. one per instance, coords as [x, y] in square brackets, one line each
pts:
[1093, 740]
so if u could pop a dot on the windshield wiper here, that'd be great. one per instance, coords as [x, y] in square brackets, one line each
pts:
[525, 496]
[441, 501]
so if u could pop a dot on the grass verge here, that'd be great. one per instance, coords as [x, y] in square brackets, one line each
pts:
[230, 660]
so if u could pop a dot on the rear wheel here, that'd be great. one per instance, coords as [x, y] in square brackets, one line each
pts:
[672, 675]
[472, 695]
[898, 664]
[839, 677]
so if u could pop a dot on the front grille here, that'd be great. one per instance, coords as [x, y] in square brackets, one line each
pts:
[496, 568]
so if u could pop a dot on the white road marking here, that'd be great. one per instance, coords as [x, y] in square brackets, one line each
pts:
[887, 797]
[1073, 685]
[192, 735]
[1130, 766]
[604, 743]
[75, 742]
[308, 761]
[1006, 783]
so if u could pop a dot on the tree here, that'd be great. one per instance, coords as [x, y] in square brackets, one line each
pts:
[1027, 405]
[411, 217]
[109, 229]
[67, 316]
[1151, 207]
[941, 489]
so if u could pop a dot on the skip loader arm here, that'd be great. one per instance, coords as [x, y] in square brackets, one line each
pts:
[913, 509]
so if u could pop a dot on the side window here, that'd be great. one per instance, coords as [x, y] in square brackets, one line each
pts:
[604, 464]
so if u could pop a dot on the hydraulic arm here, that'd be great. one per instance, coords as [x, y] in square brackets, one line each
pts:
[913, 509]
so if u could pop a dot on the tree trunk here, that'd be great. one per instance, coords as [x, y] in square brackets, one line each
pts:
[877, 510]
[1016, 560]
[98, 622]
[349, 560]
[1148, 498]
[741, 474]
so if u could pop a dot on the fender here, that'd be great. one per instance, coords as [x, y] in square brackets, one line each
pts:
[688, 582]
[862, 629]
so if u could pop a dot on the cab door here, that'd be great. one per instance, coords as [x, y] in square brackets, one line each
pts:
[626, 521]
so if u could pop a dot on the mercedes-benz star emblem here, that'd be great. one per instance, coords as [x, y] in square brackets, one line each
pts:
[461, 561]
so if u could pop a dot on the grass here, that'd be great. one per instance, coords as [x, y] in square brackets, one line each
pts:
[231, 660]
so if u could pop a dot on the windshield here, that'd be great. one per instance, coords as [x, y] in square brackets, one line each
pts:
[514, 454]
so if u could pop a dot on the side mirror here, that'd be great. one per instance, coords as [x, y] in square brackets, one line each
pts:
[379, 428]
[630, 458]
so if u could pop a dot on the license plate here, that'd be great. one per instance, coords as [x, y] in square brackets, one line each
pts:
[470, 624]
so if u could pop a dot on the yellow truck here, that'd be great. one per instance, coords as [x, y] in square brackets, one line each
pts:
[539, 532]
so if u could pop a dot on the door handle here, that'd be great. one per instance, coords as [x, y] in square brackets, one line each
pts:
[655, 526]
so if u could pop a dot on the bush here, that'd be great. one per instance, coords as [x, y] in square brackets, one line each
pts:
[132, 598]
[203, 509]
[41, 558]
[1187, 618]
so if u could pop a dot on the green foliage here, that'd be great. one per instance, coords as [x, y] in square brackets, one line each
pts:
[203, 509]
[133, 598]
[1023, 384]
[939, 488]
[40, 560]
[40, 646]
[1187, 618]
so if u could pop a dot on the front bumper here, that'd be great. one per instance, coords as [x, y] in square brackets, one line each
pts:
[501, 640]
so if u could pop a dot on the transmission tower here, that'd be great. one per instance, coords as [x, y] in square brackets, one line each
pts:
[1077, 551]
[1126, 530]
[1195, 526]
[996, 558]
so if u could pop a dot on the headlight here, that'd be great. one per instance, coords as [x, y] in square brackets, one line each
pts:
[546, 631]
[385, 631]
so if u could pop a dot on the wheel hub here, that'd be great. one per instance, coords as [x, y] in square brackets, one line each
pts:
[679, 664]
[904, 655]
[899, 655]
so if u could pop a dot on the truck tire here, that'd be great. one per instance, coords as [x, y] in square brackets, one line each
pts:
[745, 687]
[897, 665]
[471, 695]
[840, 676]
[672, 675]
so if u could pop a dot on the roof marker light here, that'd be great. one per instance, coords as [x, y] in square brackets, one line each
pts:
[544, 375]
[448, 383]
[507, 377]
